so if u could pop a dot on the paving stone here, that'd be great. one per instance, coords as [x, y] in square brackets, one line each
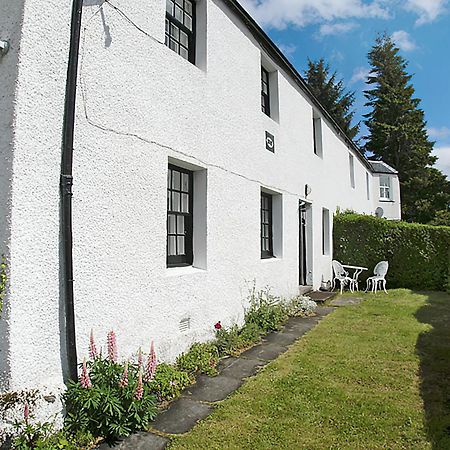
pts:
[212, 389]
[243, 368]
[139, 441]
[284, 338]
[346, 301]
[300, 325]
[226, 362]
[323, 311]
[265, 351]
[181, 416]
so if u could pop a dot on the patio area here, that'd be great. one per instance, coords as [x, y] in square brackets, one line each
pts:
[372, 375]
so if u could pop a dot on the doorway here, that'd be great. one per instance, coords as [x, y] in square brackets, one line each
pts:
[303, 244]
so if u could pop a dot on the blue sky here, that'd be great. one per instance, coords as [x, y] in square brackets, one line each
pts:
[343, 31]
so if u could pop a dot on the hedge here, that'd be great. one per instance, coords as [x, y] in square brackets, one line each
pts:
[418, 255]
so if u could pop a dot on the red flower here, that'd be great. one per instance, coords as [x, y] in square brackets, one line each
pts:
[218, 325]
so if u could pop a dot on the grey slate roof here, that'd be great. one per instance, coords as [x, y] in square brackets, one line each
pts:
[382, 167]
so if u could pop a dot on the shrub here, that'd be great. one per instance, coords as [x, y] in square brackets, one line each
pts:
[111, 399]
[418, 254]
[265, 311]
[200, 358]
[168, 382]
[300, 306]
[234, 339]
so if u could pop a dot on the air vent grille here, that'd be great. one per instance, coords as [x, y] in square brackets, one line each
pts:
[185, 324]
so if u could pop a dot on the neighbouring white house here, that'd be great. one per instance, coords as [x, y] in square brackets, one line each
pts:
[201, 165]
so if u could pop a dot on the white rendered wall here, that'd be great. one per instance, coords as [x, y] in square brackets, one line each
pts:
[140, 104]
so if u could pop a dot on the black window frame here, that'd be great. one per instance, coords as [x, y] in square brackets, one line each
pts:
[265, 254]
[316, 148]
[171, 20]
[265, 97]
[187, 258]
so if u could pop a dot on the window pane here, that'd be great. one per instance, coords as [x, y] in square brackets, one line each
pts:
[175, 32]
[167, 30]
[181, 249]
[169, 7]
[188, 7]
[184, 53]
[179, 2]
[169, 201]
[184, 41]
[178, 13]
[172, 246]
[180, 225]
[171, 224]
[173, 45]
[188, 21]
[176, 201]
[185, 203]
[176, 180]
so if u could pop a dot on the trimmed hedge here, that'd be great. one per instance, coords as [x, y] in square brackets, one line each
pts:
[418, 255]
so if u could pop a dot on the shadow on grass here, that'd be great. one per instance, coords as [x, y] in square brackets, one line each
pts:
[433, 348]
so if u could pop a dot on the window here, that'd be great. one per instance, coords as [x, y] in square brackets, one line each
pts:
[325, 231]
[179, 217]
[265, 92]
[317, 135]
[368, 185]
[385, 187]
[266, 226]
[351, 161]
[180, 28]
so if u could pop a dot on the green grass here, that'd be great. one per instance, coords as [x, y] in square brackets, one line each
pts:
[372, 376]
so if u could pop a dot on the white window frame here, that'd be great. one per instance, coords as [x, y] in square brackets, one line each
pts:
[351, 161]
[368, 185]
[326, 228]
[385, 187]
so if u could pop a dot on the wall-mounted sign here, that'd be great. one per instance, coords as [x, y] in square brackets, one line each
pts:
[270, 142]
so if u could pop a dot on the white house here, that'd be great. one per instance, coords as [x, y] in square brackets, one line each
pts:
[201, 164]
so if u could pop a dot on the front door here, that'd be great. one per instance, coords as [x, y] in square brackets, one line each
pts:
[302, 244]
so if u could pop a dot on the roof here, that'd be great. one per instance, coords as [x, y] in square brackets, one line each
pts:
[268, 45]
[382, 167]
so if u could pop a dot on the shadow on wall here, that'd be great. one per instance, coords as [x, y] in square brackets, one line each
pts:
[433, 348]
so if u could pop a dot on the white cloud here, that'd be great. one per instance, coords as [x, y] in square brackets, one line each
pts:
[287, 49]
[283, 13]
[359, 74]
[439, 133]
[443, 162]
[403, 41]
[427, 10]
[328, 29]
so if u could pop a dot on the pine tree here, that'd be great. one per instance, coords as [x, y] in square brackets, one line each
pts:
[332, 94]
[398, 136]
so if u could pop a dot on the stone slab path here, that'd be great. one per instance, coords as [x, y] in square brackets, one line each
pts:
[346, 301]
[197, 401]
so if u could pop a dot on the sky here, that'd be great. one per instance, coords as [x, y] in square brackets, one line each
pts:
[343, 32]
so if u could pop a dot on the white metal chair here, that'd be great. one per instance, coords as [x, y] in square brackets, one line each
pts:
[341, 275]
[379, 274]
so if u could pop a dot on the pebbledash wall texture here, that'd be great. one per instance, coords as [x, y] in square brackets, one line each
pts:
[140, 107]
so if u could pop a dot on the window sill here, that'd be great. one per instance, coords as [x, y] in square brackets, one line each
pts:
[180, 271]
[385, 200]
[271, 259]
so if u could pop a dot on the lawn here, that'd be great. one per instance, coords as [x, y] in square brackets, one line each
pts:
[372, 376]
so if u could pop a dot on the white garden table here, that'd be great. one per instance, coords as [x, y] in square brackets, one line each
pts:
[357, 271]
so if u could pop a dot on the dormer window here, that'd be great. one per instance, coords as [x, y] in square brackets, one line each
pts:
[385, 187]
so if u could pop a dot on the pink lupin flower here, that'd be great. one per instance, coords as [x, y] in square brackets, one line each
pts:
[124, 380]
[140, 359]
[150, 369]
[92, 347]
[140, 387]
[112, 346]
[85, 381]
[26, 412]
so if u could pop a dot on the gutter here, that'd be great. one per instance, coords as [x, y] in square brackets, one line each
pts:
[66, 182]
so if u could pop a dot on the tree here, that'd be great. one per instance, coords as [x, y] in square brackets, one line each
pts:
[332, 94]
[398, 136]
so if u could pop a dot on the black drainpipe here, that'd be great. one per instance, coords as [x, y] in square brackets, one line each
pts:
[66, 187]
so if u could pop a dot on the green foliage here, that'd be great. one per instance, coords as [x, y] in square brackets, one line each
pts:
[441, 218]
[200, 358]
[332, 95]
[418, 255]
[108, 409]
[42, 436]
[169, 382]
[233, 340]
[398, 135]
[265, 311]
[2, 281]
